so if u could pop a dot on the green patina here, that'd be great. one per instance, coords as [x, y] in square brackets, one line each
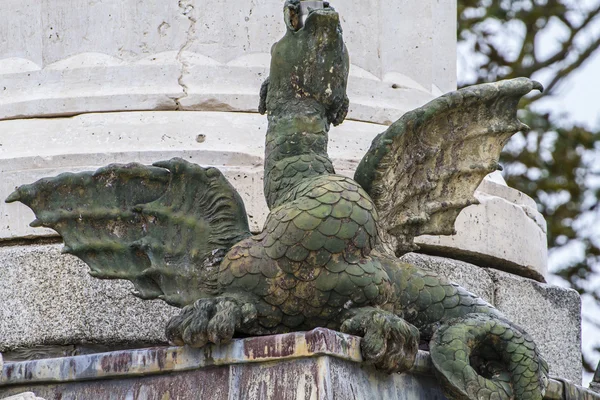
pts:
[327, 255]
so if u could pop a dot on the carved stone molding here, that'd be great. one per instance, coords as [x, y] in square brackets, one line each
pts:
[62, 59]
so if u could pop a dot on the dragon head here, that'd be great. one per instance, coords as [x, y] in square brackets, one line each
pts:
[309, 64]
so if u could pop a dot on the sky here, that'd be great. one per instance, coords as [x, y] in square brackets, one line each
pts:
[576, 100]
[577, 97]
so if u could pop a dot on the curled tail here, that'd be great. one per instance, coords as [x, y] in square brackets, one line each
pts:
[482, 356]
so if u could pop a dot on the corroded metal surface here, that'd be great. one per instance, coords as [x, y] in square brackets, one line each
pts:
[305, 365]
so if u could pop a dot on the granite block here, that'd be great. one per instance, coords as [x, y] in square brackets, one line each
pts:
[49, 299]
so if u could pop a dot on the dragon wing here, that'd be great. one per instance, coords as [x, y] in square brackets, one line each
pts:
[161, 227]
[425, 168]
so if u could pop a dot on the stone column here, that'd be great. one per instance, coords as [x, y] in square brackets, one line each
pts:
[84, 84]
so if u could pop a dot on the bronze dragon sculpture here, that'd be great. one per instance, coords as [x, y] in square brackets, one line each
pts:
[327, 256]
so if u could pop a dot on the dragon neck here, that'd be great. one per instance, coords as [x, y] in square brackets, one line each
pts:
[296, 149]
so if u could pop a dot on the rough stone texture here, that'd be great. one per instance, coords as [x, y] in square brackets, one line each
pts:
[209, 55]
[550, 314]
[49, 299]
[505, 231]
[474, 279]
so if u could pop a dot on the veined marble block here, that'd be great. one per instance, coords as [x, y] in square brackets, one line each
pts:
[316, 365]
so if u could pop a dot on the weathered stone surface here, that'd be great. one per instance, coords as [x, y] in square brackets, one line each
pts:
[49, 299]
[315, 365]
[474, 279]
[321, 378]
[550, 314]
[194, 55]
[505, 231]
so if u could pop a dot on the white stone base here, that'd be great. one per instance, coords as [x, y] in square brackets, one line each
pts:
[66, 58]
[23, 396]
[504, 231]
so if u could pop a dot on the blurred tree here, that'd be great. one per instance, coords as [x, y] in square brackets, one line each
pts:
[558, 162]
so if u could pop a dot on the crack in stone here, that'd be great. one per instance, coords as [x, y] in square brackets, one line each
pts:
[495, 285]
[187, 9]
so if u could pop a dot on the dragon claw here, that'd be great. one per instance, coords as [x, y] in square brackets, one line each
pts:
[389, 342]
[209, 321]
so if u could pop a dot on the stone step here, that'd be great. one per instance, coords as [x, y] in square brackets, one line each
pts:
[320, 364]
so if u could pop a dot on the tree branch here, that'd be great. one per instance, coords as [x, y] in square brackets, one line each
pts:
[564, 72]
[565, 48]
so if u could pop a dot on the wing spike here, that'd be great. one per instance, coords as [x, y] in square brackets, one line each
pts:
[524, 128]
[36, 223]
[155, 226]
[14, 197]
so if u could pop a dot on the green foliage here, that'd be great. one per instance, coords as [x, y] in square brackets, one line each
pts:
[558, 162]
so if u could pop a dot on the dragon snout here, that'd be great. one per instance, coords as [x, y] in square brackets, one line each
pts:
[300, 13]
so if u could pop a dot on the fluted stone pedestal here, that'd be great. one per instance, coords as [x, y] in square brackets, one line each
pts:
[85, 84]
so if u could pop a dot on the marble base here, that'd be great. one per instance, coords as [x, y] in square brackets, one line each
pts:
[315, 365]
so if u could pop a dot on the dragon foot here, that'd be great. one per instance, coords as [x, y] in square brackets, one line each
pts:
[209, 320]
[389, 342]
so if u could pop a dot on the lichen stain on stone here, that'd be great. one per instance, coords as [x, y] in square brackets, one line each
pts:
[319, 340]
[9, 371]
[264, 347]
[212, 105]
[117, 363]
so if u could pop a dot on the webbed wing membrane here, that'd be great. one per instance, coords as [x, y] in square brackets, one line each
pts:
[426, 167]
[160, 228]
[93, 213]
[190, 228]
